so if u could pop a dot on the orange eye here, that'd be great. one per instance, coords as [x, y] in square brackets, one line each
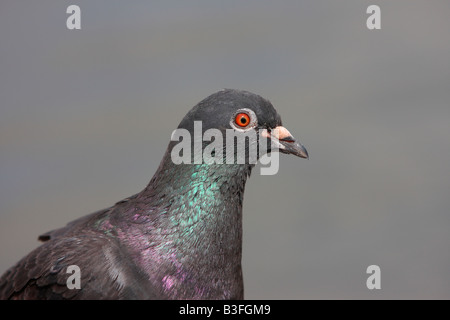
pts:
[242, 119]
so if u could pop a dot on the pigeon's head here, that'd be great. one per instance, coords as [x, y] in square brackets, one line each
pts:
[241, 112]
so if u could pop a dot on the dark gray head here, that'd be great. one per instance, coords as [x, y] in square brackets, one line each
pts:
[243, 111]
[217, 110]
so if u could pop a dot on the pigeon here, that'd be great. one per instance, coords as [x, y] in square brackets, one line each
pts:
[179, 238]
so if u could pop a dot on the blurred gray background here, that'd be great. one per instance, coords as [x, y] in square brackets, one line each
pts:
[86, 115]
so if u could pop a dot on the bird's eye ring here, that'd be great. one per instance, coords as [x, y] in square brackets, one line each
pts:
[242, 119]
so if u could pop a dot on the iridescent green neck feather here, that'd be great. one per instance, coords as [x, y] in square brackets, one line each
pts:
[194, 228]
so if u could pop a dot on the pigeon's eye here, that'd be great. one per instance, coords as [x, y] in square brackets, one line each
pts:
[242, 119]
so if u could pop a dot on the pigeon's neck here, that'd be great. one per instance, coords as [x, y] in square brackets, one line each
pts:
[198, 225]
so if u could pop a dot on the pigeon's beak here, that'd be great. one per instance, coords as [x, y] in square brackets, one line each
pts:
[285, 142]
